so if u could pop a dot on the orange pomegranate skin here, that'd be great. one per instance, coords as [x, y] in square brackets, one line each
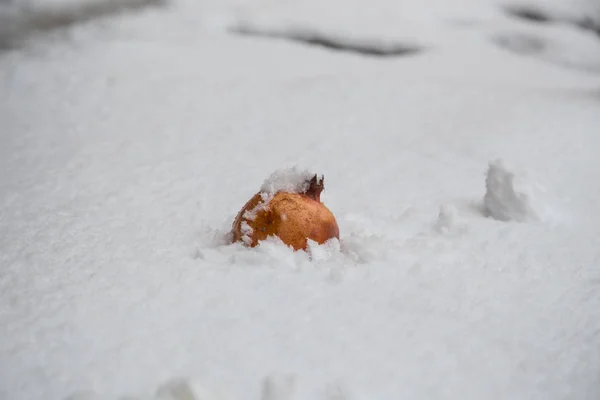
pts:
[293, 217]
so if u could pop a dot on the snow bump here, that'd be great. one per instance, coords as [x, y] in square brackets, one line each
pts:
[512, 196]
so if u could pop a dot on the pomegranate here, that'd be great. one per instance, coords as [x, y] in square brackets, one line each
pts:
[294, 213]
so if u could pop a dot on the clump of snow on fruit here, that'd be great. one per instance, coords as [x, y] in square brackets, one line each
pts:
[250, 215]
[246, 232]
[290, 180]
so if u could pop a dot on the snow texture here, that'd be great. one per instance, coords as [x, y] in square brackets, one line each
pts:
[246, 232]
[584, 14]
[290, 180]
[511, 197]
[127, 149]
[176, 389]
[24, 18]
[555, 46]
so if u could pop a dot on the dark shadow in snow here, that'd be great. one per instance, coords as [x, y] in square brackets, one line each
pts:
[17, 22]
[535, 13]
[590, 24]
[528, 13]
[363, 46]
[520, 43]
[551, 51]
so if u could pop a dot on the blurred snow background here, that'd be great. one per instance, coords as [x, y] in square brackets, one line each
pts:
[459, 143]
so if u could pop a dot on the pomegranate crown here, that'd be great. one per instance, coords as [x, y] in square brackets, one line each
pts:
[315, 187]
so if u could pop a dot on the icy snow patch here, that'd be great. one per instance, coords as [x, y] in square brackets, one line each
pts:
[513, 197]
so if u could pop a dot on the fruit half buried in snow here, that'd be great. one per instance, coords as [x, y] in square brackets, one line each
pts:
[289, 207]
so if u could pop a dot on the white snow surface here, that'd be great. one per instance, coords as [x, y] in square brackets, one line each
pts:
[129, 143]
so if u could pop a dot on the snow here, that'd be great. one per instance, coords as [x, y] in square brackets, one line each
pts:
[511, 197]
[22, 18]
[346, 42]
[576, 12]
[555, 46]
[290, 180]
[127, 150]
[247, 230]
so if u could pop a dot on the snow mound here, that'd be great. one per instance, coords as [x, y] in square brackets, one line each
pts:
[292, 180]
[513, 196]
[449, 221]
